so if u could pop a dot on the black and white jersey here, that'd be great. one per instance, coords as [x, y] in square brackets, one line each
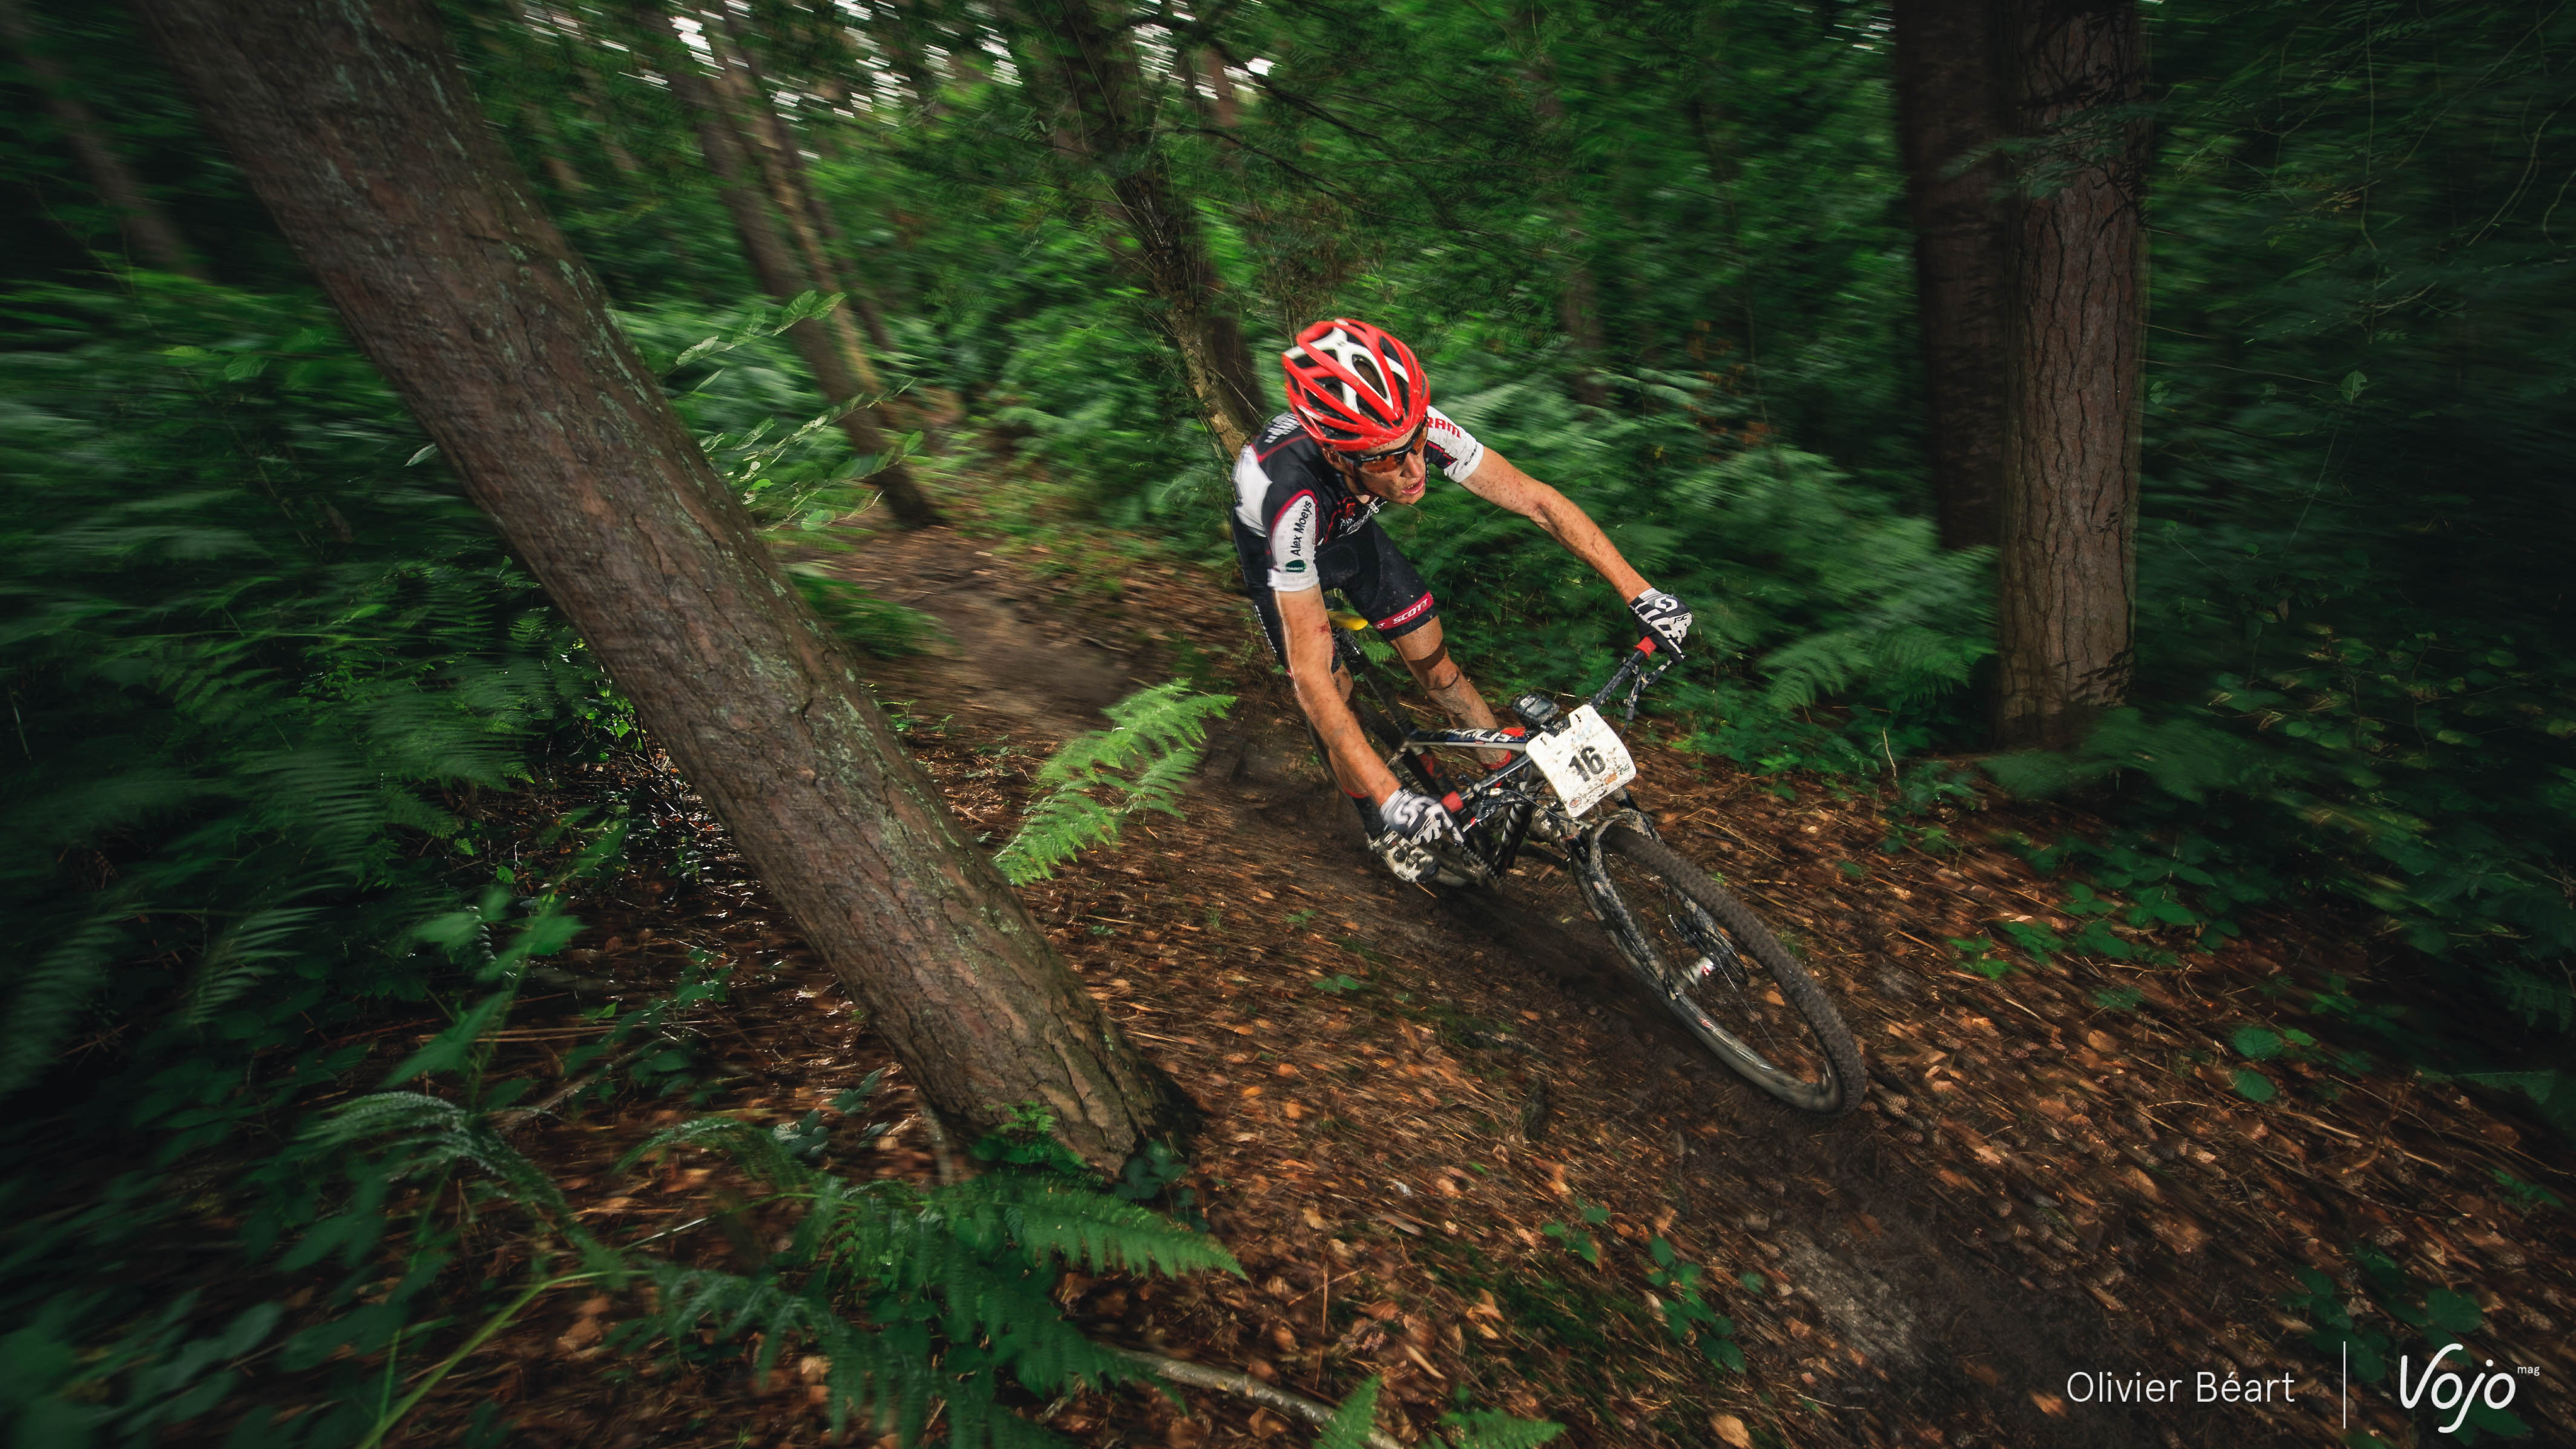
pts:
[1290, 497]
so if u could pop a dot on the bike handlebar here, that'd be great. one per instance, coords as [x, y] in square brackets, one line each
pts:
[1636, 661]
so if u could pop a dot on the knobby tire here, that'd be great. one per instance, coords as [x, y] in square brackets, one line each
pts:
[1835, 1090]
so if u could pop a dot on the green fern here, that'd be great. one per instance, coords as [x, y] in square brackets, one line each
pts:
[1354, 1421]
[928, 1303]
[1143, 762]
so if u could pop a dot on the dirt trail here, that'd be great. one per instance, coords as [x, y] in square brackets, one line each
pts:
[1444, 1134]
[1871, 1307]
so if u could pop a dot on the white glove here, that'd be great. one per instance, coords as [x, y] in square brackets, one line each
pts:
[1414, 818]
[1665, 618]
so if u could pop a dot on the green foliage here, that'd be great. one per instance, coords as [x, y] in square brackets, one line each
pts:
[1352, 1423]
[255, 647]
[880, 628]
[1687, 1316]
[1805, 585]
[927, 1302]
[1356, 1419]
[1143, 761]
[2355, 676]
[2436, 1316]
[739, 386]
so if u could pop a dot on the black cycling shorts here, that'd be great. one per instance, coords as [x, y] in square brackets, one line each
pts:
[1366, 566]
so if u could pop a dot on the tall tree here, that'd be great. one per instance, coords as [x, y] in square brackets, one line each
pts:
[146, 227]
[356, 128]
[1951, 102]
[782, 165]
[2066, 599]
[838, 366]
[1110, 120]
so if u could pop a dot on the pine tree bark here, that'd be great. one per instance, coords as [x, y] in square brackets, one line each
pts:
[146, 228]
[1111, 123]
[355, 126]
[1951, 103]
[2067, 564]
[775, 268]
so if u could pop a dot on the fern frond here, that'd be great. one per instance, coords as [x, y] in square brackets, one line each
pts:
[1158, 786]
[1156, 734]
[756, 1148]
[52, 993]
[1054, 831]
[1088, 1228]
[244, 954]
[1352, 1423]
[425, 1132]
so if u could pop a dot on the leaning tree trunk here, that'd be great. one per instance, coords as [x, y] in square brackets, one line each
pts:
[147, 229]
[2067, 566]
[1950, 107]
[1113, 126]
[355, 126]
[834, 369]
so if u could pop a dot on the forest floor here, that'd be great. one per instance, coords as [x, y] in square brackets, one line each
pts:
[1443, 1131]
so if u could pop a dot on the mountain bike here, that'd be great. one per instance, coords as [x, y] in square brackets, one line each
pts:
[1562, 798]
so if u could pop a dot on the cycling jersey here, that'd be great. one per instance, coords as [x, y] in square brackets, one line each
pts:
[1292, 501]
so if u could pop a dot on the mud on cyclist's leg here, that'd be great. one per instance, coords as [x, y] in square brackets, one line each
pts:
[1425, 652]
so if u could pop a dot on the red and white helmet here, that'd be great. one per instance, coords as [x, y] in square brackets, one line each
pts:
[1357, 389]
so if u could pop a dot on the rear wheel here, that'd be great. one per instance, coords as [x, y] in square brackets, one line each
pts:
[1723, 973]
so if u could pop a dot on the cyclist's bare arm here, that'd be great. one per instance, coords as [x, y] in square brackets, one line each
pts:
[1499, 483]
[1308, 632]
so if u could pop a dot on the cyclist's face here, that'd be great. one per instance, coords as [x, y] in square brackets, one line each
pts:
[1397, 479]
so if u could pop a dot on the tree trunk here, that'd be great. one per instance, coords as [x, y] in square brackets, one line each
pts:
[147, 230]
[1112, 124]
[1950, 115]
[776, 270]
[782, 165]
[2067, 586]
[356, 128]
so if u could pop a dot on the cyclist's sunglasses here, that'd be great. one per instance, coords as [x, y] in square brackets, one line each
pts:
[1392, 459]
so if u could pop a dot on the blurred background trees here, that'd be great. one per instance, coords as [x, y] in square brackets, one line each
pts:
[1684, 260]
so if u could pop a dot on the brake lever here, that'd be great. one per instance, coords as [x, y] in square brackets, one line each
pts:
[1641, 677]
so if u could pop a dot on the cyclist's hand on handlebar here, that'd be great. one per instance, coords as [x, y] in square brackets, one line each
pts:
[1665, 619]
[1416, 818]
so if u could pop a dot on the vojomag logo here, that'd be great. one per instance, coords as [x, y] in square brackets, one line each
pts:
[2492, 1388]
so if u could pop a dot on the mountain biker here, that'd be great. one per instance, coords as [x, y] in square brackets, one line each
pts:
[1361, 433]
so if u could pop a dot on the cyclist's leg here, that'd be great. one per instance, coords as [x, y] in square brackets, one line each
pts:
[1384, 586]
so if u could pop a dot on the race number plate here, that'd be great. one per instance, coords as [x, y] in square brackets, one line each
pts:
[1584, 761]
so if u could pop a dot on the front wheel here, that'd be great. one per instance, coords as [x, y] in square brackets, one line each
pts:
[1723, 973]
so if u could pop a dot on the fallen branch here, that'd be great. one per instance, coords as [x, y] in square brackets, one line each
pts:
[1199, 1376]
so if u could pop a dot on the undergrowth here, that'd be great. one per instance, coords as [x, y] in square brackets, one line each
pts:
[1141, 762]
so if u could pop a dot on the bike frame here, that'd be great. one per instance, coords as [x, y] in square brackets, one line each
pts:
[1499, 813]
